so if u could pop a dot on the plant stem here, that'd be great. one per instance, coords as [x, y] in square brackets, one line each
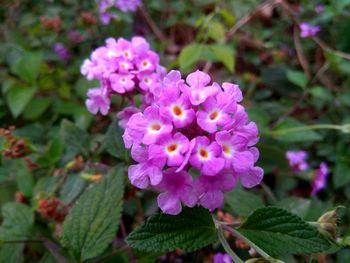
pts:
[227, 247]
[306, 128]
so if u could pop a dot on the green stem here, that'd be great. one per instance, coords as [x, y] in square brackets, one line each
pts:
[227, 247]
[306, 128]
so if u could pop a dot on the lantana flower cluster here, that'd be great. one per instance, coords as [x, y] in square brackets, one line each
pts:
[122, 66]
[193, 143]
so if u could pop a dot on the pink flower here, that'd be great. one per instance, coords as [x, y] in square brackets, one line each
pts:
[206, 157]
[172, 148]
[319, 180]
[148, 171]
[210, 189]
[176, 188]
[148, 127]
[297, 160]
[235, 151]
[198, 90]
[98, 101]
[122, 83]
[125, 114]
[308, 30]
[222, 258]
[217, 112]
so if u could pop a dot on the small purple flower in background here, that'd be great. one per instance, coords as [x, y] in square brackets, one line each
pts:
[319, 180]
[308, 30]
[297, 161]
[222, 258]
[128, 5]
[61, 51]
[319, 8]
[124, 5]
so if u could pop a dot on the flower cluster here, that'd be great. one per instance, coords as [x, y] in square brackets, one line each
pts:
[123, 5]
[297, 161]
[121, 66]
[61, 51]
[222, 258]
[308, 30]
[193, 127]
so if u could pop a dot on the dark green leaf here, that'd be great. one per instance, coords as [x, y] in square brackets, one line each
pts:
[75, 139]
[298, 78]
[279, 232]
[191, 230]
[28, 66]
[295, 205]
[18, 97]
[36, 108]
[93, 222]
[113, 142]
[24, 178]
[243, 202]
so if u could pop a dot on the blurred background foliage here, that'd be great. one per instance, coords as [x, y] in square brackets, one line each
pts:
[56, 148]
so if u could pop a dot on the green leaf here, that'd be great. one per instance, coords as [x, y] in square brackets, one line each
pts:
[190, 56]
[18, 222]
[113, 142]
[191, 230]
[36, 107]
[243, 202]
[93, 222]
[72, 189]
[18, 97]
[28, 66]
[225, 55]
[282, 132]
[216, 31]
[53, 153]
[295, 205]
[75, 139]
[278, 232]
[298, 78]
[341, 175]
[24, 178]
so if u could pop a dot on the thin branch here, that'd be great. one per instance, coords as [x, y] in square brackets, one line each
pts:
[246, 19]
[227, 247]
[153, 26]
[300, 54]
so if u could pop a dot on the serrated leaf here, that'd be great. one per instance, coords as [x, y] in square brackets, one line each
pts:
[18, 97]
[284, 132]
[225, 55]
[298, 78]
[17, 223]
[243, 202]
[75, 139]
[93, 222]
[72, 189]
[189, 56]
[113, 142]
[278, 232]
[28, 66]
[191, 230]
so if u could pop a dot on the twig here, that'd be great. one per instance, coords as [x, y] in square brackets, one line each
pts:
[129, 249]
[156, 31]
[245, 19]
[207, 66]
[300, 53]
[227, 247]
